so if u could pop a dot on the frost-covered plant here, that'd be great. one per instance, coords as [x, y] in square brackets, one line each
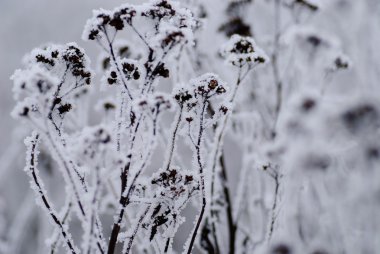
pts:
[240, 131]
[98, 160]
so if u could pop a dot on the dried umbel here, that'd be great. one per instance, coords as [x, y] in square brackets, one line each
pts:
[167, 15]
[208, 85]
[53, 79]
[241, 51]
[59, 59]
[182, 95]
[102, 20]
[167, 26]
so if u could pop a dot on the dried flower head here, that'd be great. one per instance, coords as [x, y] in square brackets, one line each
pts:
[102, 20]
[240, 51]
[339, 62]
[182, 95]
[174, 183]
[130, 70]
[59, 59]
[208, 85]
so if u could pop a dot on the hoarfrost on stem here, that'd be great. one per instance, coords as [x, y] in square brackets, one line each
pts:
[189, 154]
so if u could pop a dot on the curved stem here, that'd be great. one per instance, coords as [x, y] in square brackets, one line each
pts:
[42, 193]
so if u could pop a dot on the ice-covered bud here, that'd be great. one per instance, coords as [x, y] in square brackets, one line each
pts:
[161, 71]
[223, 109]
[182, 95]
[64, 108]
[240, 51]
[40, 58]
[339, 61]
[112, 77]
[208, 85]
[130, 69]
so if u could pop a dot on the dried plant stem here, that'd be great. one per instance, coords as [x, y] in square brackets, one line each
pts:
[173, 139]
[116, 63]
[218, 155]
[274, 205]
[202, 180]
[132, 237]
[42, 194]
[65, 217]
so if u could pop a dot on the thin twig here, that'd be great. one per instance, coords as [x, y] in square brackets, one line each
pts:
[42, 194]
[202, 182]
